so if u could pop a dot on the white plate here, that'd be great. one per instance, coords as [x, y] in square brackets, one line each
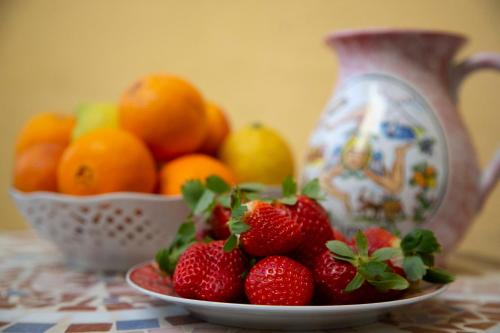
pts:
[314, 317]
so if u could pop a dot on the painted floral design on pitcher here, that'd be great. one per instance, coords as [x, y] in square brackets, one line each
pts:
[390, 148]
[380, 154]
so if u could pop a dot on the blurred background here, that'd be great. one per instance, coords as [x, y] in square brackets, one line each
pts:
[261, 60]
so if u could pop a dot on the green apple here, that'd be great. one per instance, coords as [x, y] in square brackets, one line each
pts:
[92, 116]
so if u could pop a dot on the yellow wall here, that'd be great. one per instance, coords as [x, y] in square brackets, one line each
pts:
[262, 59]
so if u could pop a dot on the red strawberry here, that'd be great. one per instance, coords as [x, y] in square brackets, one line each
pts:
[279, 280]
[331, 277]
[271, 230]
[206, 272]
[218, 222]
[315, 226]
[378, 238]
[346, 275]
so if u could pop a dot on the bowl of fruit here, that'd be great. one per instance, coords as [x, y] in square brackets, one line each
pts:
[104, 183]
[281, 265]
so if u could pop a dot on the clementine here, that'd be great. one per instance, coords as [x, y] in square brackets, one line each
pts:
[195, 166]
[106, 160]
[217, 129]
[167, 113]
[46, 127]
[35, 168]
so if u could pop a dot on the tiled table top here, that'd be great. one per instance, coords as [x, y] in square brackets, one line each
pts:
[39, 294]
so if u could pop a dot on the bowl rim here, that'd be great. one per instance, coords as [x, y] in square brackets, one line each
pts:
[280, 308]
[156, 197]
[17, 194]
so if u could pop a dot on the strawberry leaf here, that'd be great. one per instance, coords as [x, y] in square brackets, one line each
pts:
[224, 200]
[420, 241]
[231, 243]
[217, 184]
[356, 282]
[186, 232]
[290, 200]
[385, 253]
[312, 189]
[361, 243]
[389, 280]
[257, 196]
[428, 259]
[438, 275]
[205, 202]
[372, 269]
[414, 268]
[251, 187]
[341, 249]
[185, 237]
[237, 226]
[288, 187]
[237, 209]
[192, 190]
[163, 261]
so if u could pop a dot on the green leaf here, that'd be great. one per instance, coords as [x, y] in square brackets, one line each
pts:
[341, 249]
[420, 241]
[290, 200]
[238, 212]
[237, 226]
[361, 243]
[217, 184]
[410, 242]
[438, 275]
[414, 268]
[162, 259]
[224, 200]
[192, 190]
[184, 238]
[231, 243]
[372, 269]
[206, 200]
[250, 196]
[236, 198]
[428, 259]
[288, 187]
[312, 189]
[186, 232]
[356, 282]
[251, 187]
[385, 253]
[389, 280]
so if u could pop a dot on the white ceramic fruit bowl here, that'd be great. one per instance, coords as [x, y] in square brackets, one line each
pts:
[103, 232]
[294, 318]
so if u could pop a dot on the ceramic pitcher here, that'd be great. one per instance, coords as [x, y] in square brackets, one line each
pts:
[390, 148]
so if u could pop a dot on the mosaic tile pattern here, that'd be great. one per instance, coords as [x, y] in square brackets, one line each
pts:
[39, 294]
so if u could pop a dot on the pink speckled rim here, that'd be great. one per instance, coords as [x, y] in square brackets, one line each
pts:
[430, 291]
[372, 32]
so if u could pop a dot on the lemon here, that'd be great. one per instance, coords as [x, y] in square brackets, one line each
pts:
[257, 153]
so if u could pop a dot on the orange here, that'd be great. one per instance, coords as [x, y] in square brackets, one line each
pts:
[106, 160]
[195, 166]
[35, 168]
[217, 129]
[167, 113]
[46, 127]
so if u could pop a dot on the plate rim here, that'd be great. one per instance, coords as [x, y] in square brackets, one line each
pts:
[280, 308]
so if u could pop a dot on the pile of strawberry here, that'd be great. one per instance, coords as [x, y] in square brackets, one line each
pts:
[285, 252]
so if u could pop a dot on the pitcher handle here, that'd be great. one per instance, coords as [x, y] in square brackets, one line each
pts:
[491, 174]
